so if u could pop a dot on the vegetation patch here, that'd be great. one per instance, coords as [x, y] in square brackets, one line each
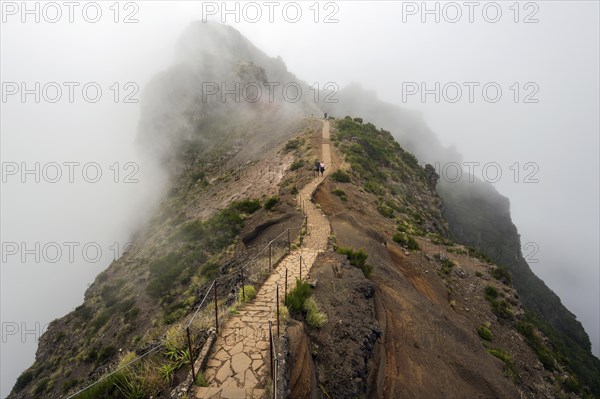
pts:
[201, 380]
[314, 317]
[340, 193]
[485, 332]
[299, 301]
[248, 206]
[500, 307]
[297, 164]
[247, 294]
[271, 203]
[386, 211]
[406, 241]
[293, 144]
[510, 368]
[534, 340]
[357, 259]
[297, 296]
[341, 176]
[502, 274]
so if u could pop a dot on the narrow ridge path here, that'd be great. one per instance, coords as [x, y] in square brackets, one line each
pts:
[239, 365]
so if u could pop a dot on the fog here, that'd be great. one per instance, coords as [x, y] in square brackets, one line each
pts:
[554, 140]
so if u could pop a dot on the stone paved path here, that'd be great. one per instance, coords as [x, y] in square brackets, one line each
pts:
[239, 366]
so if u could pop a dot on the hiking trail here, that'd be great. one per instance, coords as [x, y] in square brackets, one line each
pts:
[239, 364]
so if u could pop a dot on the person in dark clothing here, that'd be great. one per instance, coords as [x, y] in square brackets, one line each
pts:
[322, 168]
[317, 167]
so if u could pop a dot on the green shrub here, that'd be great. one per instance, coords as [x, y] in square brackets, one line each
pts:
[271, 203]
[510, 368]
[69, 383]
[84, 312]
[386, 211]
[340, 193]
[546, 359]
[210, 270]
[314, 317]
[132, 313]
[125, 305]
[100, 320]
[284, 313]
[406, 241]
[22, 381]
[131, 387]
[571, 384]
[373, 187]
[358, 120]
[491, 292]
[357, 259]
[167, 372]
[502, 309]
[484, 332]
[293, 144]
[500, 354]
[535, 341]
[201, 380]
[340, 176]
[107, 388]
[247, 206]
[296, 297]
[248, 294]
[297, 164]
[502, 274]
[105, 353]
[447, 266]
[41, 386]
[165, 271]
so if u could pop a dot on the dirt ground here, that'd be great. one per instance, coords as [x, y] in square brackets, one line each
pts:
[342, 351]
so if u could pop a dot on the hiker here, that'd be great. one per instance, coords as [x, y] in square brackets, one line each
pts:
[322, 168]
[317, 167]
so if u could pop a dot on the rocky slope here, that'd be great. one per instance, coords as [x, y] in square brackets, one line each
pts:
[433, 319]
[478, 216]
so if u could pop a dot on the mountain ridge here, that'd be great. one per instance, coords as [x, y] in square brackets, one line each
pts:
[223, 156]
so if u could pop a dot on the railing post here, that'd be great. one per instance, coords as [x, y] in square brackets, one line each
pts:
[191, 354]
[216, 310]
[300, 267]
[243, 287]
[275, 379]
[277, 304]
[270, 256]
[289, 242]
[271, 345]
[285, 294]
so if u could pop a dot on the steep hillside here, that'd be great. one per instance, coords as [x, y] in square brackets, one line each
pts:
[479, 216]
[449, 323]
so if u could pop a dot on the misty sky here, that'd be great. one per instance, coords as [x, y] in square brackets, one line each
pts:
[384, 46]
